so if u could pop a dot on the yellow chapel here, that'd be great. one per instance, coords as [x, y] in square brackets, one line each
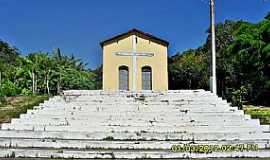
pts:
[135, 61]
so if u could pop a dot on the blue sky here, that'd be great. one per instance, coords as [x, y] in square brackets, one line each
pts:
[77, 26]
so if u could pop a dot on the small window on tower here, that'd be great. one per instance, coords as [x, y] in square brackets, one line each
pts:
[136, 39]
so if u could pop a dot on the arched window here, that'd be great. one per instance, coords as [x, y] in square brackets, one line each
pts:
[123, 78]
[146, 78]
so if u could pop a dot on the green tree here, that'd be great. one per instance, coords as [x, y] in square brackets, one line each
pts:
[243, 58]
[8, 54]
[98, 77]
[188, 70]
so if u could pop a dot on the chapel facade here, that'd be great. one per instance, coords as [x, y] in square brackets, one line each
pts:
[135, 61]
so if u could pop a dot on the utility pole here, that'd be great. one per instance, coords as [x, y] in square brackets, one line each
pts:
[213, 33]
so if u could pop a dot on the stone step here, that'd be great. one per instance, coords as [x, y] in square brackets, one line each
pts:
[145, 110]
[158, 98]
[127, 154]
[137, 117]
[142, 96]
[89, 127]
[142, 135]
[266, 128]
[146, 100]
[115, 144]
[144, 91]
[132, 95]
[180, 101]
[203, 95]
[132, 106]
[52, 121]
[117, 111]
[124, 120]
[157, 106]
[176, 116]
[117, 119]
[100, 92]
[153, 94]
[135, 110]
[140, 111]
[136, 103]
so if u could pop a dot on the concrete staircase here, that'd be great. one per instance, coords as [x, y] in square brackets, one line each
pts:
[99, 124]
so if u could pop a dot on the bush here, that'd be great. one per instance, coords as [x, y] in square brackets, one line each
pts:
[8, 88]
[238, 97]
[2, 97]
[26, 92]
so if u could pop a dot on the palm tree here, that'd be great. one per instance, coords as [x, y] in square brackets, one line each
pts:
[2, 68]
[30, 68]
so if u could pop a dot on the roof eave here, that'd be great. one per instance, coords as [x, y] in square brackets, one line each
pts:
[134, 31]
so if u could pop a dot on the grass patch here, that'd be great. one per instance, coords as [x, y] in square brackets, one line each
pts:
[14, 106]
[262, 113]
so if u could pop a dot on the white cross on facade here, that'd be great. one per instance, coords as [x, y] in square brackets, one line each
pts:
[134, 56]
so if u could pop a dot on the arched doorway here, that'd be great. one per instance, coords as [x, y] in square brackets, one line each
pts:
[123, 78]
[146, 78]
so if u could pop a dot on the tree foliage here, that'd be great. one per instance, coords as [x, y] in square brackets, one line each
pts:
[188, 70]
[41, 72]
[243, 58]
[8, 54]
